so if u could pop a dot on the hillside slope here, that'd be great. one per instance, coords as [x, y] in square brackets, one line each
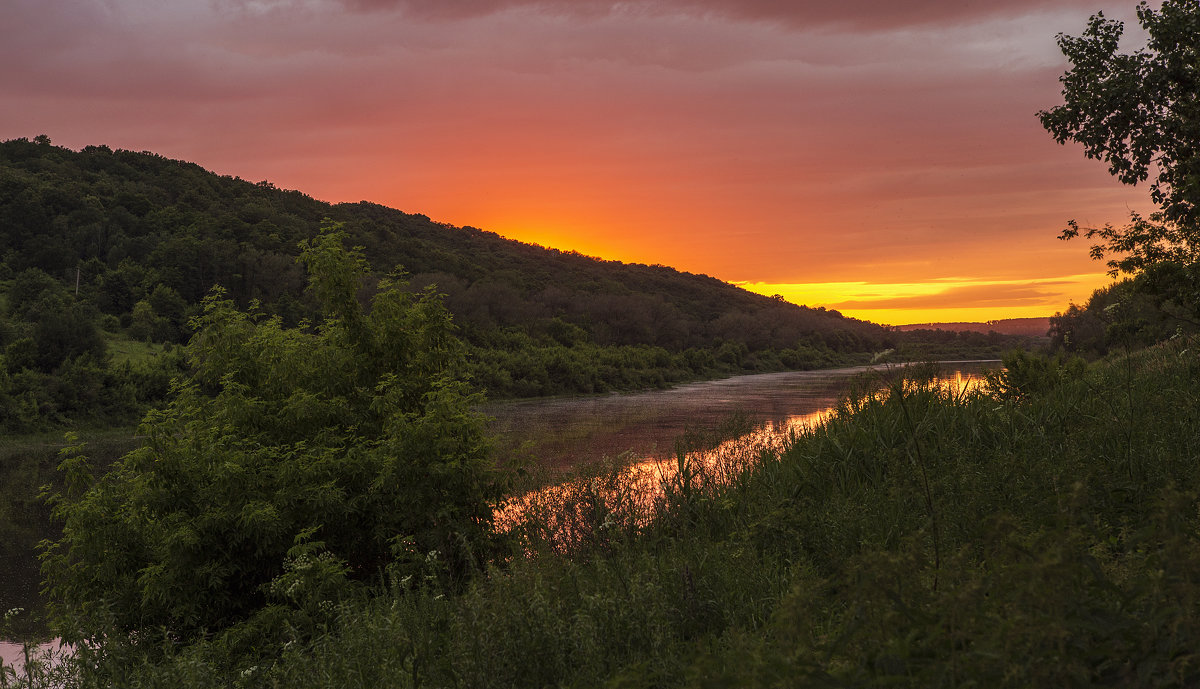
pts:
[131, 221]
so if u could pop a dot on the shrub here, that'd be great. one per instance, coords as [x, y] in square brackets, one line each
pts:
[291, 463]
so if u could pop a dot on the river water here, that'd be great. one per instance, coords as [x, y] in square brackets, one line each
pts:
[559, 433]
[642, 428]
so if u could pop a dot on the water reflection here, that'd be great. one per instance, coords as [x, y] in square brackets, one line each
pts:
[12, 655]
[565, 432]
[644, 469]
[45, 663]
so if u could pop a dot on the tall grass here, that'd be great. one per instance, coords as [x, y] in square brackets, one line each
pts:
[122, 349]
[1041, 532]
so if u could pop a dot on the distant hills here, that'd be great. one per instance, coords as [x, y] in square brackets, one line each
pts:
[1033, 327]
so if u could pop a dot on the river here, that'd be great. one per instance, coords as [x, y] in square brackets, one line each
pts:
[559, 433]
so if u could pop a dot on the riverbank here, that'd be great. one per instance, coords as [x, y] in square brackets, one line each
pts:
[1043, 535]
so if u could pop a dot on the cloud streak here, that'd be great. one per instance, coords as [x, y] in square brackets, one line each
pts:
[963, 297]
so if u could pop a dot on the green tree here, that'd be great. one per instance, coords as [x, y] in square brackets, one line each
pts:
[142, 321]
[290, 463]
[28, 289]
[1140, 113]
[64, 331]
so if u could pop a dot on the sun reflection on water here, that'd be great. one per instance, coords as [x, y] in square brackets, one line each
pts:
[631, 490]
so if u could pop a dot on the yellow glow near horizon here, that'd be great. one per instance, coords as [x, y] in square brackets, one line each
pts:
[548, 235]
[940, 301]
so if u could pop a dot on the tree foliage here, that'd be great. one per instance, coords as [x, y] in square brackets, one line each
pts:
[290, 462]
[1140, 113]
[1125, 314]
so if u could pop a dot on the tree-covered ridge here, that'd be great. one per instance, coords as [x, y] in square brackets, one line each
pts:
[130, 220]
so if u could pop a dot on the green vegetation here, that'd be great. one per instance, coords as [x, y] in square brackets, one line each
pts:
[123, 350]
[59, 368]
[1140, 113]
[1040, 532]
[1123, 315]
[27, 464]
[926, 344]
[290, 466]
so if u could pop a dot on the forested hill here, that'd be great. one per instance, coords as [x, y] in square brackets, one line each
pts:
[132, 222]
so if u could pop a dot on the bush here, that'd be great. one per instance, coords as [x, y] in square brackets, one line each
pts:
[1026, 374]
[290, 464]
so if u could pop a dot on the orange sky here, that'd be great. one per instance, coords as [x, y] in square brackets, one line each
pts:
[876, 157]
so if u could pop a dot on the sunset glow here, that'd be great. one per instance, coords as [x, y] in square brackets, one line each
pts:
[938, 301]
[879, 158]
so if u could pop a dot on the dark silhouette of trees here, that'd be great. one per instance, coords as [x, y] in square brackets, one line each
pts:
[1140, 113]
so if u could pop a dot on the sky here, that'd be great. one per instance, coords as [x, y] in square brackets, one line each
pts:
[879, 157]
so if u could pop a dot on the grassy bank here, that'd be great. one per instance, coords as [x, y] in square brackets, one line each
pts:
[1043, 535]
